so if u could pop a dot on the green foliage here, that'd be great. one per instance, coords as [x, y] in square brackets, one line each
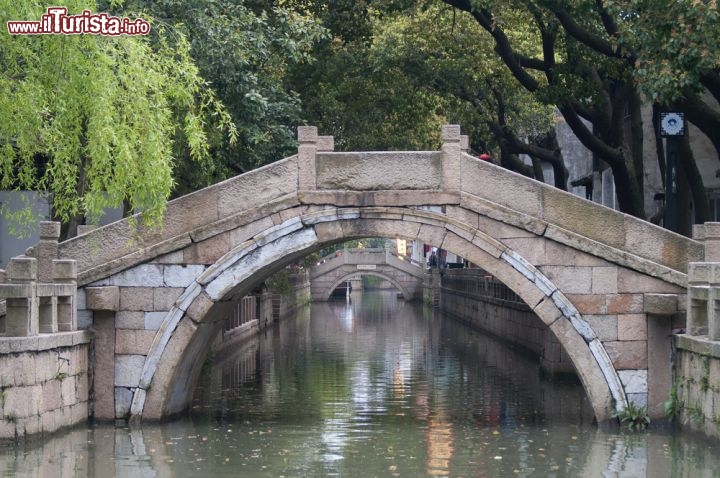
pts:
[674, 42]
[244, 49]
[94, 120]
[633, 417]
[673, 405]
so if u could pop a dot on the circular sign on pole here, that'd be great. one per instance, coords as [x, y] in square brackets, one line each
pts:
[672, 124]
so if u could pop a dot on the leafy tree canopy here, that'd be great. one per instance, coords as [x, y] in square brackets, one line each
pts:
[93, 120]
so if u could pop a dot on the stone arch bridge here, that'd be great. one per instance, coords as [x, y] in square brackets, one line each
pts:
[353, 263]
[607, 285]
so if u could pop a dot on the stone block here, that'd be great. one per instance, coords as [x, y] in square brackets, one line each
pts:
[102, 298]
[200, 307]
[51, 395]
[632, 327]
[605, 326]
[137, 298]
[181, 276]
[604, 280]
[123, 400]
[64, 270]
[634, 282]
[84, 319]
[22, 269]
[49, 230]
[133, 342]
[165, 297]
[373, 171]
[68, 391]
[128, 369]
[574, 214]
[547, 311]
[570, 280]
[628, 355]
[492, 183]
[130, 319]
[587, 367]
[624, 303]
[175, 257]
[258, 187]
[661, 304]
[24, 367]
[142, 275]
[698, 273]
[104, 367]
[325, 143]
[207, 251]
[634, 381]
[531, 248]
[82, 388]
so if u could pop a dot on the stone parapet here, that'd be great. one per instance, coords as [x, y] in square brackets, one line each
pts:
[44, 383]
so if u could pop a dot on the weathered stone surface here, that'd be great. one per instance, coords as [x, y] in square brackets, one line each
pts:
[587, 367]
[328, 231]
[634, 381]
[207, 251]
[181, 276]
[104, 367]
[574, 214]
[379, 171]
[128, 369]
[258, 187]
[102, 298]
[152, 406]
[633, 282]
[144, 275]
[659, 331]
[123, 400]
[164, 298]
[632, 327]
[379, 198]
[501, 186]
[624, 304]
[492, 215]
[137, 298]
[133, 342]
[153, 320]
[531, 248]
[628, 355]
[571, 280]
[604, 280]
[547, 311]
[660, 304]
[605, 326]
[125, 319]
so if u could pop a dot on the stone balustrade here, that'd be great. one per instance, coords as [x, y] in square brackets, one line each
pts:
[39, 289]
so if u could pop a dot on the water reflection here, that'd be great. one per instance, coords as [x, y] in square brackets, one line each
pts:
[376, 387]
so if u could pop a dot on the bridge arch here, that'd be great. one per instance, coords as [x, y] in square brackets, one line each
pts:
[172, 365]
[352, 275]
[578, 265]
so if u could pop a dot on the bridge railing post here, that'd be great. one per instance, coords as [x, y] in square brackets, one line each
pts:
[451, 150]
[307, 151]
[22, 314]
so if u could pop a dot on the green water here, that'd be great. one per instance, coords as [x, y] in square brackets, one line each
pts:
[374, 387]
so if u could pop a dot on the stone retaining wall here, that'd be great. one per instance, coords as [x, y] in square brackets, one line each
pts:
[492, 307]
[44, 383]
[696, 389]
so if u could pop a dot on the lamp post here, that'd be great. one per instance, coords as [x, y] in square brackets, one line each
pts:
[672, 127]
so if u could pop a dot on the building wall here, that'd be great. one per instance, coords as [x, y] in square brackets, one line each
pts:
[44, 383]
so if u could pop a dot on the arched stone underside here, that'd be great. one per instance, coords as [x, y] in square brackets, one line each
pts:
[172, 365]
[352, 275]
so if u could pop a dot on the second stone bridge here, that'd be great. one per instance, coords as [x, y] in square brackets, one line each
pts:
[350, 264]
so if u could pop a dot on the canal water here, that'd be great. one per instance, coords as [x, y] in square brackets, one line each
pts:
[372, 387]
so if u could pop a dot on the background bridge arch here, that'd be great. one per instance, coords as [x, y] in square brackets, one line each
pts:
[327, 292]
